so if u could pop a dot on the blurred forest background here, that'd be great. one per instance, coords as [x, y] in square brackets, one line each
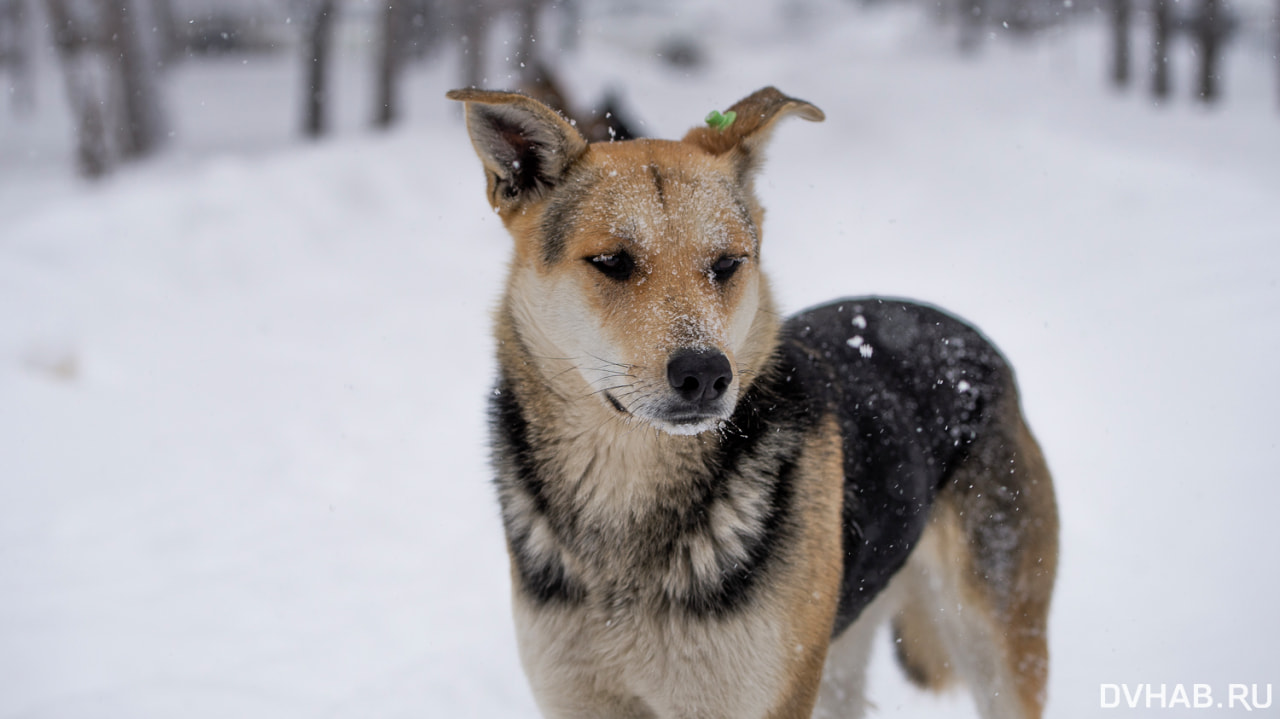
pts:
[117, 57]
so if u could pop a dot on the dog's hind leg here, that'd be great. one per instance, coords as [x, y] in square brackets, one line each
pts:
[917, 638]
[980, 581]
[844, 676]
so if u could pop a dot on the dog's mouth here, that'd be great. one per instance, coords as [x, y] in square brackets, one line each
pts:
[687, 425]
[615, 403]
[678, 421]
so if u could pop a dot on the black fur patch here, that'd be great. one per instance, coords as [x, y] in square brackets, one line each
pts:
[512, 435]
[912, 388]
[519, 470]
[549, 583]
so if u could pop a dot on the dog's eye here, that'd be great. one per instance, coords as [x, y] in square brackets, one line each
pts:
[617, 266]
[724, 268]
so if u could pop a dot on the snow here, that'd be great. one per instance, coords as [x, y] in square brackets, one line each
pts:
[243, 469]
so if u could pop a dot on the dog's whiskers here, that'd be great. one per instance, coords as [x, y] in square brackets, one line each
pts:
[606, 389]
[615, 364]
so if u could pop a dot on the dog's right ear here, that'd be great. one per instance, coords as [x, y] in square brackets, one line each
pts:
[526, 147]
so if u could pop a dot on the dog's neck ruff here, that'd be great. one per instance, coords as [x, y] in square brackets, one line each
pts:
[620, 513]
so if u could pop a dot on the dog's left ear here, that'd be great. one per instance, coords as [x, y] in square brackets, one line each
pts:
[745, 128]
[526, 147]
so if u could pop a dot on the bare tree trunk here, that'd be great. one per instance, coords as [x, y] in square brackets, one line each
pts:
[570, 12]
[1210, 45]
[1160, 50]
[319, 40]
[15, 52]
[971, 23]
[527, 25]
[92, 157]
[474, 28]
[391, 59]
[1121, 21]
[166, 26]
[141, 126]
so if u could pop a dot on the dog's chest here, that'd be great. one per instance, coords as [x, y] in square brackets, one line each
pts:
[650, 551]
[653, 525]
[615, 517]
[653, 664]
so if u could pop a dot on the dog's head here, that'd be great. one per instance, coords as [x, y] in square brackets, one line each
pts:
[636, 275]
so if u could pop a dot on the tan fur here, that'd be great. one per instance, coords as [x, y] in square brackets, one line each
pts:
[972, 601]
[816, 564]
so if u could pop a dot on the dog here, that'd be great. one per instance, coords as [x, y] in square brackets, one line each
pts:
[708, 509]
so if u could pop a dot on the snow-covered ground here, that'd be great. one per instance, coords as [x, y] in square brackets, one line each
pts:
[242, 447]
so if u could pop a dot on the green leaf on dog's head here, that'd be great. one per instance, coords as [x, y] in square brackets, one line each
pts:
[721, 122]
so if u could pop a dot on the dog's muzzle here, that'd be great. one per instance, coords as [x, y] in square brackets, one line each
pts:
[698, 400]
[698, 396]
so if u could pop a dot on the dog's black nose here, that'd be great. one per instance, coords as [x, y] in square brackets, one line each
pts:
[699, 375]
